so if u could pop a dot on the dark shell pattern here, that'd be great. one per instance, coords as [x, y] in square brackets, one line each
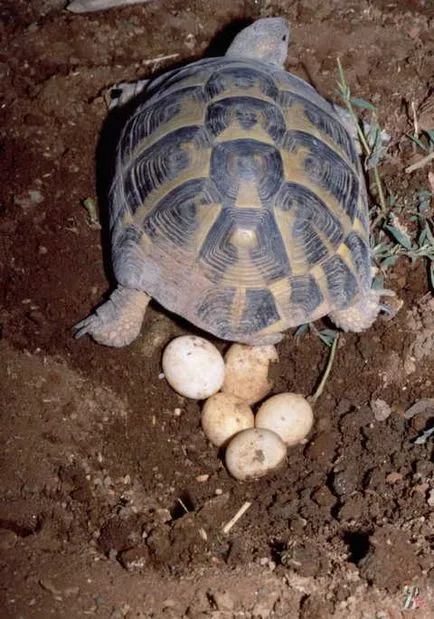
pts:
[239, 201]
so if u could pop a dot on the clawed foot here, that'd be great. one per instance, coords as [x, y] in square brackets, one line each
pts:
[118, 321]
[362, 314]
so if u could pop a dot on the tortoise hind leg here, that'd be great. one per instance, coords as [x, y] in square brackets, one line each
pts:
[362, 313]
[118, 321]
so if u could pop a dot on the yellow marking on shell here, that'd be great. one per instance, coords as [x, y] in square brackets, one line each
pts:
[244, 238]
[294, 171]
[238, 305]
[240, 91]
[320, 278]
[281, 291]
[243, 272]
[296, 254]
[199, 168]
[206, 216]
[347, 256]
[236, 132]
[127, 219]
[192, 113]
[248, 196]
[298, 90]
[146, 244]
[296, 120]
[276, 327]
[360, 228]
[197, 79]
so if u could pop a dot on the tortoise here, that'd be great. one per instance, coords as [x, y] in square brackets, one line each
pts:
[238, 202]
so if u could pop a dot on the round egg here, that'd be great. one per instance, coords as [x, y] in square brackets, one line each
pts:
[247, 371]
[254, 453]
[224, 415]
[287, 414]
[193, 367]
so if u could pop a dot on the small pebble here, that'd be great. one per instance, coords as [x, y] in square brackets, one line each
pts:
[381, 409]
[393, 477]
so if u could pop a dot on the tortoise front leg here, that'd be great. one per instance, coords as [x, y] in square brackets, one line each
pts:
[118, 321]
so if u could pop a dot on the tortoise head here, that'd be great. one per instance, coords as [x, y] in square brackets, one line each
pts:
[266, 39]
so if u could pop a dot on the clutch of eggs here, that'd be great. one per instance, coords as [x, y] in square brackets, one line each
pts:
[194, 368]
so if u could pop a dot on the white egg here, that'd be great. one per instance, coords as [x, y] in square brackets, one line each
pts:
[254, 453]
[193, 367]
[288, 414]
[224, 415]
[247, 371]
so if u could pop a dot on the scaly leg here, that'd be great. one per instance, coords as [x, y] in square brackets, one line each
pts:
[362, 314]
[118, 321]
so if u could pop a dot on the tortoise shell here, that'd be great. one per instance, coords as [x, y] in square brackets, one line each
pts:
[239, 201]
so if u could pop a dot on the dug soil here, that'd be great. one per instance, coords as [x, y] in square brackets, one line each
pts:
[113, 501]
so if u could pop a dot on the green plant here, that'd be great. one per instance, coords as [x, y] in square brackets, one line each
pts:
[390, 237]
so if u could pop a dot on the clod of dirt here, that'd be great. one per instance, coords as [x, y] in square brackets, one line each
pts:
[305, 558]
[377, 567]
[314, 606]
[134, 558]
[381, 409]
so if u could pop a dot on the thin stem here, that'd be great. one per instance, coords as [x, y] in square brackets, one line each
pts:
[380, 190]
[346, 95]
[327, 371]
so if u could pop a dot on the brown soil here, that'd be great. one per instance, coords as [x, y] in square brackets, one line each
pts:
[112, 502]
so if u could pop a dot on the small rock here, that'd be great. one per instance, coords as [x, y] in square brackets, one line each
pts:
[29, 198]
[344, 482]
[134, 558]
[430, 499]
[163, 515]
[190, 41]
[421, 488]
[324, 497]
[393, 477]
[381, 409]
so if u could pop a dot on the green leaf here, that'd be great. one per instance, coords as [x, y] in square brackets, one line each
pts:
[301, 329]
[362, 104]
[422, 237]
[429, 234]
[399, 236]
[378, 283]
[430, 134]
[327, 337]
[416, 140]
[389, 261]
